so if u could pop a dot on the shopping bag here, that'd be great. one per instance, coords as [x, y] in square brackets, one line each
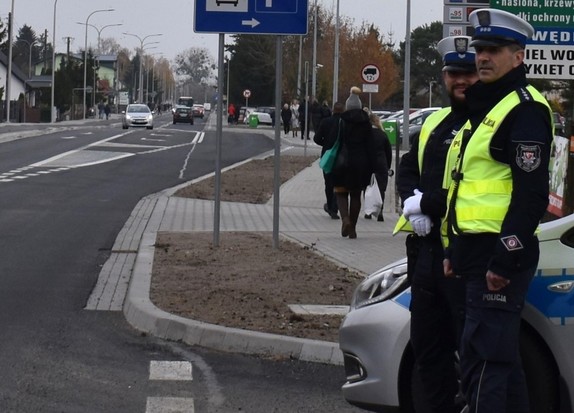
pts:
[329, 157]
[373, 200]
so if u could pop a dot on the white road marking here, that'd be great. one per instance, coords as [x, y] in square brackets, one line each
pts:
[310, 309]
[169, 405]
[88, 156]
[170, 370]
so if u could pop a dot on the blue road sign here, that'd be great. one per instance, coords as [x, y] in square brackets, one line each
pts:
[287, 17]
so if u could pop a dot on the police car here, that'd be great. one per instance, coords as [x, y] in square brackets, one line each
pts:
[374, 335]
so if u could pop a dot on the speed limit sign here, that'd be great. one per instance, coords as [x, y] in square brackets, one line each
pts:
[246, 93]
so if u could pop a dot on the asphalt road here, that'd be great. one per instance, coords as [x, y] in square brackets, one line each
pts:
[64, 196]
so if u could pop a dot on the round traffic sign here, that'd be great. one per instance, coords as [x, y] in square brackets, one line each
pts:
[246, 93]
[370, 73]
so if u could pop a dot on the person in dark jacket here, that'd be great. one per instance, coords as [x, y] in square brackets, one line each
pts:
[351, 180]
[498, 196]
[384, 154]
[437, 303]
[286, 115]
[316, 115]
[326, 137]
[303, 118]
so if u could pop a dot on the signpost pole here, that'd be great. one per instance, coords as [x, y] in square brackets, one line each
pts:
[277, 18]
[277, 156]
[218, 139]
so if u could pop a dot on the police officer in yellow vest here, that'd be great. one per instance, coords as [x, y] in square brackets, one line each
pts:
[437, 304]
[498, 196]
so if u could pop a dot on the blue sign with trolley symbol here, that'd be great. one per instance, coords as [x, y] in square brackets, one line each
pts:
[287, 17]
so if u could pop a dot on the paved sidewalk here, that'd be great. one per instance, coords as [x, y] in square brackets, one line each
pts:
[301, 218]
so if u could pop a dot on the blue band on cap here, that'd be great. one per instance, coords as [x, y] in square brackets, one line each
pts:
[456, 58]
[486, 32]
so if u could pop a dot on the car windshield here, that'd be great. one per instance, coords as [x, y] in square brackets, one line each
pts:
[137, 108]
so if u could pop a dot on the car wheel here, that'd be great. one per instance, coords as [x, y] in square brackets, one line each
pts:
[174, 122]
[124, 126]
[541, 373]
[149, 127]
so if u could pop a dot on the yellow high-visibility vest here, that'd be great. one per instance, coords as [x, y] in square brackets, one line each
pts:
[484, 192]
[430, 124]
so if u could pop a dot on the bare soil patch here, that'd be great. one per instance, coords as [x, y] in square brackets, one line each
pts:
[245, 282]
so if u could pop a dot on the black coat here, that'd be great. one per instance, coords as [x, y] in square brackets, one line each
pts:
[357, 135]
[527, 125]
[384, 155]
[286, 115]
[327, 133]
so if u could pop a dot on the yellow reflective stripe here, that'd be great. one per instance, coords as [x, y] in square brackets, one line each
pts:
[485, 187]
[403, 224]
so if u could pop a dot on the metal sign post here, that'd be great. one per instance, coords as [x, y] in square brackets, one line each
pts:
[288, 17]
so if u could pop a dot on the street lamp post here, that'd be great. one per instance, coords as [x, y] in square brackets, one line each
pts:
[86, 56]
[142, 40]
[432, 82]
[30, 44]
[99, 30]
[29, 55]
[52, 120]
[9, 76]
[314, 74]
[336, 59]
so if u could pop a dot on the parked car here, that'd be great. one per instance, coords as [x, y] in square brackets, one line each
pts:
[182, 114]
[198, 111]
[374, 335]
[383, 114]
[416, 120]
[264, 115]
[559, 124]
[244, 114]
[137, 115]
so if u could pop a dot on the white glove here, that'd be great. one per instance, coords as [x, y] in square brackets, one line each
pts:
[413, 204]
[421, 224]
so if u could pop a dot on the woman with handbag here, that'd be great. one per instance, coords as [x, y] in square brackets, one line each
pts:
[356, 161]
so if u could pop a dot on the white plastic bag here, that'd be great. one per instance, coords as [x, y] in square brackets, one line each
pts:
[373, 200]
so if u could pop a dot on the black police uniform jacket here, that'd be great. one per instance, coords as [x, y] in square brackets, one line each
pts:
[529, 124]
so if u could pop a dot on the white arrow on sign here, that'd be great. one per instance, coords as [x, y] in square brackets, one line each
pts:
[268, 3]
[253, 23]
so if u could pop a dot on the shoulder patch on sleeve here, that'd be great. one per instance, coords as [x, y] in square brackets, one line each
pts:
[528, 157]
[512, 243]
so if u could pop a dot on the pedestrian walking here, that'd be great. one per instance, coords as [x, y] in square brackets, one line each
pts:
[437, 303]
[286, 115]
[107, 110]
[385, 152]
[495, 203]
[295, 118]
[360, 162]
[303, 118]
[326, 137]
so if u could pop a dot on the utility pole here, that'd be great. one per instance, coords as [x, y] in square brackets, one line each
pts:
[46, 50]
[68, 41]
[9, 74]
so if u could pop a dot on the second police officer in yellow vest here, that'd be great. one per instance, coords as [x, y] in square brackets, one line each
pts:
[437, 304]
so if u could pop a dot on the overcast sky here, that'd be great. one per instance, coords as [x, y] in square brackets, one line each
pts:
[174, 19]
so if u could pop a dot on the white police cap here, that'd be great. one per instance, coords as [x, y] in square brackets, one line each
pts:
[457, 54]
[498, 28]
